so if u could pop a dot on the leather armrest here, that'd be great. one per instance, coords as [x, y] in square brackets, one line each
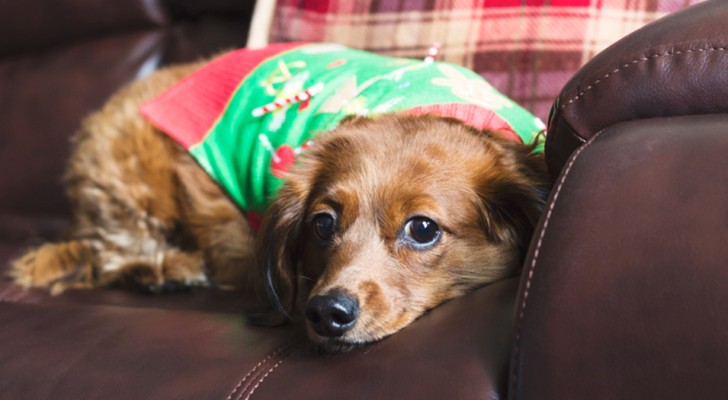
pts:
[624, 291]
[671, 67]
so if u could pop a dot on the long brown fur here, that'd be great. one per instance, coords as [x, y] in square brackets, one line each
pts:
[146, 216]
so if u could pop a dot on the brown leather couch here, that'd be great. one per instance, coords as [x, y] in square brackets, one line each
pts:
[623, 291]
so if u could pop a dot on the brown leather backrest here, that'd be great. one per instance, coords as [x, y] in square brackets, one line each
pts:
[60, 60]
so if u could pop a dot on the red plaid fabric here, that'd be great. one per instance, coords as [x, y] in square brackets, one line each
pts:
[527, 49]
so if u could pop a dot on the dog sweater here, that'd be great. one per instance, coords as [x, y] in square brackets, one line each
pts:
[246, 115]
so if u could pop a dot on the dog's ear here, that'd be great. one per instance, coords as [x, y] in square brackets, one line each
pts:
[277, 253]
[513, 199]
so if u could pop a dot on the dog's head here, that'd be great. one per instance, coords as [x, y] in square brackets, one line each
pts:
[386, 218]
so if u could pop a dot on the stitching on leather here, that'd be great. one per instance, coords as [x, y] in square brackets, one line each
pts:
[629, 64]
[289, 352]
[255, 368]
[253, 371]
[270, 370]
[537, 252]
[638, 61]
[579, 138]
[262, 378]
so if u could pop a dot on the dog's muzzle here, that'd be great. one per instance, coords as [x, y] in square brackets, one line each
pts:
[332, 315]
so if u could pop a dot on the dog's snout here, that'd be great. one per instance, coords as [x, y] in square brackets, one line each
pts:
[332, 315]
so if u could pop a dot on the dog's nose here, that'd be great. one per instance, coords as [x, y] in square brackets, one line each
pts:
[332, 315]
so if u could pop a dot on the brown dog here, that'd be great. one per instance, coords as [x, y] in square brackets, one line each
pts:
[423, 209]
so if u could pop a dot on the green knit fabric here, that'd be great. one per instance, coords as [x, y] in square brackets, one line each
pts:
[248, 153]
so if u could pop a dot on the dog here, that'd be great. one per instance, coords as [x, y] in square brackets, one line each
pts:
[380, 220]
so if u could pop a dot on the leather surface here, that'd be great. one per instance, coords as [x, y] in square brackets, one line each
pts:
[660, 70]
[46, 24]
[624, 294]
[64, 352]
[457, 352]
[29, 26]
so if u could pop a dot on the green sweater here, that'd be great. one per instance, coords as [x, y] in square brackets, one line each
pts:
[226, 116]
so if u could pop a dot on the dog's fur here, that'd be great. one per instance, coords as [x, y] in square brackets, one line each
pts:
[146, 216]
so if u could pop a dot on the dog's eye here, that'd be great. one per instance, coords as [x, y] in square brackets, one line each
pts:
[422, 231]
[324, 226]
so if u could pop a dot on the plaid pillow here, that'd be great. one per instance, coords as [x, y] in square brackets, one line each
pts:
[527, 49]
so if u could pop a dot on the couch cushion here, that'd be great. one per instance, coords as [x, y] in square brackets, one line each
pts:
[460, 351]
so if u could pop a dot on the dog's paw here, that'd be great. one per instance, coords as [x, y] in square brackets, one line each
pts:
[21, 269]
[140, 276]
[167, 286]
[178, 272]
[54, 267]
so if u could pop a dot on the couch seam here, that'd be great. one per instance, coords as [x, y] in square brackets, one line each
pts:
[579, 138]
[669, 53]
[267, 373]
[642, 59]
[283, 350]
[536, 254]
